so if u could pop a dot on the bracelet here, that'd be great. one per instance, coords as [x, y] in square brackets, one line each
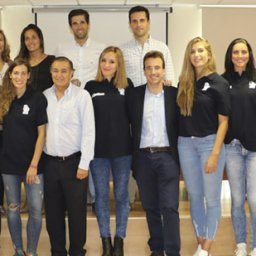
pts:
[33, 166]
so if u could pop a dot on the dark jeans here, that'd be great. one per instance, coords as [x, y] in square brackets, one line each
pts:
[64, 192]
[157, 176]
[120, 168]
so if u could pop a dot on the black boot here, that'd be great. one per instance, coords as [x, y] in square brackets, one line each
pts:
[118, 246]
[107, 246]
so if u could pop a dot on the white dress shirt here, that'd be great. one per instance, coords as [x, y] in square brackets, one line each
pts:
[134, 53]
[153, 133]
[85, 58]
[71, 126]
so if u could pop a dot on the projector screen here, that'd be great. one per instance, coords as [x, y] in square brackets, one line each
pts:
[110, 28]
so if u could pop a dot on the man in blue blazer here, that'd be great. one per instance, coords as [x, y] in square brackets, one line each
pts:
[154, 123]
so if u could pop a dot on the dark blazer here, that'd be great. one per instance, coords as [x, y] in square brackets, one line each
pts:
[135, 104]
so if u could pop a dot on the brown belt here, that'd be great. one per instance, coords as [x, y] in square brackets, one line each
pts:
[153, 150]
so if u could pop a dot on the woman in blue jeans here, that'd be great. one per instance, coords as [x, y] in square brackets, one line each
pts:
[203, 99]
[241, 140]
[23, 114]
[112, 146]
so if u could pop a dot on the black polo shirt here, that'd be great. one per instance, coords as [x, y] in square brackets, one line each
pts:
[20, 131]
[111, 119]
[211, 98]
[242, 122]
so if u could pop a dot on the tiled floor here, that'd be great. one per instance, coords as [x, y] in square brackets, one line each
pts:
[137, 234]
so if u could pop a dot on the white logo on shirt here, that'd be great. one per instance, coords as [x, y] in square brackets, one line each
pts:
[252, 85]
[98, 94]
[121, 91]
[206, 86]
[25, 109]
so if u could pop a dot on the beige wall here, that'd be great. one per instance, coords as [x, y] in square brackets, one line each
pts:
[221, 25]
[14, 19]
[185, 23]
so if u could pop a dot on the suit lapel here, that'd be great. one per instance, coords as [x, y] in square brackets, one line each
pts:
[167, 106]
[141, 97]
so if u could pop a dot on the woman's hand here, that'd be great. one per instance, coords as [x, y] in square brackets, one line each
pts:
[31, 175]
[212, 163]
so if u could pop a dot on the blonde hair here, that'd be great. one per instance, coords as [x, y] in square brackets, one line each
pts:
[186, 91]
[120, 79]
[7, 90]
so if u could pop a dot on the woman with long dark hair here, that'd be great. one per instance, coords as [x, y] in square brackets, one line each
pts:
[241, 140]
[23, 114]
[32, 50]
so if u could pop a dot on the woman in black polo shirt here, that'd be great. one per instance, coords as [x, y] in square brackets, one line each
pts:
[241, 139]
[23, 113]
[4, 64]
[32, 50]
[203, 99]
[112, 146]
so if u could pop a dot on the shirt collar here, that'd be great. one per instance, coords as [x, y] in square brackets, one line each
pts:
[159, 95]
[86, 44]
[67, 91]
[147, 41]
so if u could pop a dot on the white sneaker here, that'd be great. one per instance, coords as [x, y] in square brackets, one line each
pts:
[203, 253]
[253, 252]
[199, 248]
[241, 250]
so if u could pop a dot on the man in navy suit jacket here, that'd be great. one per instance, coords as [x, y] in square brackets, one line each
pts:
[154, 122]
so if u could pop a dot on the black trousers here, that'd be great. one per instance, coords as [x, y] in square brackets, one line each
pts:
[65, 193]
[157, 176]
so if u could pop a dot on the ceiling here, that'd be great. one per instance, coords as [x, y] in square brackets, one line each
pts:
[123, 2]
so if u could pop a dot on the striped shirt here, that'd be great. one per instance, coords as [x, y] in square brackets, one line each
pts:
[134, 52]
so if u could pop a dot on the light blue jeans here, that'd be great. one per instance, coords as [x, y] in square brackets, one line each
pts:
[241, 170]
[34, 192]
[120, 168]
[204, 188]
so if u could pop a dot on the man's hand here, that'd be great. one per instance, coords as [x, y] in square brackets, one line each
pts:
[81, 174]
[167, 82]
[76, 82]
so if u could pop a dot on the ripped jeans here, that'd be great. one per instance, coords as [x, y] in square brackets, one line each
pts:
[34, 192]
[204, 188]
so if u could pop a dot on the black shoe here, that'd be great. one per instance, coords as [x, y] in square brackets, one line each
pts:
[154, 253]
[107, 246]
[93, 208]
[118, 246]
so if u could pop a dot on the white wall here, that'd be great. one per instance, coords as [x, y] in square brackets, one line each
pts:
[185, 23]
[14, 19]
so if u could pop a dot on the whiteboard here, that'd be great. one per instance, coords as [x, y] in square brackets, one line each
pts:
[110, 28]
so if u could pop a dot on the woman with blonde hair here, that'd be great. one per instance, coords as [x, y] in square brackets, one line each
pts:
[23, 114]
[203, 99]
[112, 146]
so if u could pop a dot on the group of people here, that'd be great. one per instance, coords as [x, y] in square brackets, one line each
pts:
[95, 110]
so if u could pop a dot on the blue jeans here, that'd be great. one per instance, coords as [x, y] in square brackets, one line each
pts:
[241, 170]
[34, 193]
[120, 167]
[204, 188]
